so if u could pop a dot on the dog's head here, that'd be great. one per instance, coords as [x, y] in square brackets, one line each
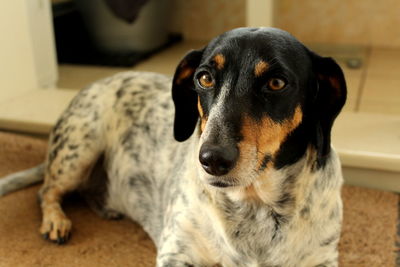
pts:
[262, 98]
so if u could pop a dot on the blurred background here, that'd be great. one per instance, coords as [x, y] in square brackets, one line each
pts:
[51, 49]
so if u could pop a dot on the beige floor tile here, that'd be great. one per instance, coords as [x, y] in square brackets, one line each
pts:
[79, 76]
[368, 140]
[381, 95]
[166, 61]
[384, 63]
[36, 111]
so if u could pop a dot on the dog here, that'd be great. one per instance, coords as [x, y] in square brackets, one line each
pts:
[253, 179]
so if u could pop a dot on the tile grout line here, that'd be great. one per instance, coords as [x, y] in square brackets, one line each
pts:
[364, 75]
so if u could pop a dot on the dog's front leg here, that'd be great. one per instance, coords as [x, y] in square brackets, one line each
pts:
[183, 252]
[174, 253]
[174, 261]
[178, 249]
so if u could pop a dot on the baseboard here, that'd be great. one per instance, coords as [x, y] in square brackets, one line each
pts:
[376, 179]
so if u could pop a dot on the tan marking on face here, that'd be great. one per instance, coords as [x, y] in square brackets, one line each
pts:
[199, 107]
[219, 61]
[185, 73]
[260, 68]
[267, 135]
[202, 117]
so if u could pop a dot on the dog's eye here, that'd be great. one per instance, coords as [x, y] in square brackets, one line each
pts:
[205, 80]
[276, 84]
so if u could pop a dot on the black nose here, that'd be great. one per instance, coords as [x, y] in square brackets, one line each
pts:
[218, 160]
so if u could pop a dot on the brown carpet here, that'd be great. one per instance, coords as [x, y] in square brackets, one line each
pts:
[368, 237]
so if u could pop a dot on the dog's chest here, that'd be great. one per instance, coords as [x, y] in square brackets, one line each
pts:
[251, 237]
[234, 233]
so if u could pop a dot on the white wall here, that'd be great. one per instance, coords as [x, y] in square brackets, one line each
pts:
[27, 54]
[42, 39]
[259, 13]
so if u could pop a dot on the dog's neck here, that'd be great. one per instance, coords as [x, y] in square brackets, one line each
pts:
[280, 190]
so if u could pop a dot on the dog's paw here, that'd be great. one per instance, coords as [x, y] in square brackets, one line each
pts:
[56, 229]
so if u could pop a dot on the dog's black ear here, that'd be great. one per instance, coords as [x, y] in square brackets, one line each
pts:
[330, 98]
[184, 96]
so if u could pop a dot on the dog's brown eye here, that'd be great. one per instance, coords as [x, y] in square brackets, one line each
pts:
[276, 84]
[205, 80]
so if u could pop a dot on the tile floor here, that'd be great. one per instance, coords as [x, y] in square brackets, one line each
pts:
[77, 76]
[381, 91]
[375, 87]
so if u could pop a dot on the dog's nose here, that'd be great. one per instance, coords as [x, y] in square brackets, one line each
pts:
[217, 160]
